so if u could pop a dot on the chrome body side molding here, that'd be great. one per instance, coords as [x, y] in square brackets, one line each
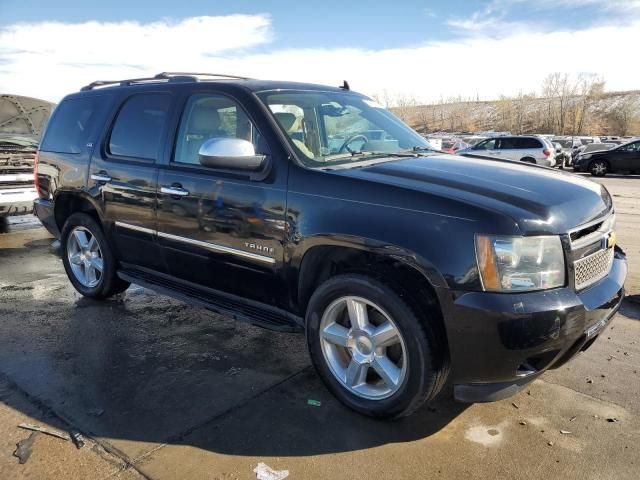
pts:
[208, 245]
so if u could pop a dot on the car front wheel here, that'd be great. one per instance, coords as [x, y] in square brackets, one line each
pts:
[371, 349]
[598, 168]
[88, 259]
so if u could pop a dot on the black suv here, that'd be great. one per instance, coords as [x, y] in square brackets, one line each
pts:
[305, 207]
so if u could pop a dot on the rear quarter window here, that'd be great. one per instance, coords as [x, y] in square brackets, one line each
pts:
[70, 126]
[139, 126]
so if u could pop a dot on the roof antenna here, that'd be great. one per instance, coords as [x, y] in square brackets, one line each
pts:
[345, 85]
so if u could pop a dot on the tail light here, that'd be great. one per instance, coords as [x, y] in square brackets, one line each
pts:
[546, 152]
[35, 175]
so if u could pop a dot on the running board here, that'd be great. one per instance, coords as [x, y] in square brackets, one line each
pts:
[256, 313]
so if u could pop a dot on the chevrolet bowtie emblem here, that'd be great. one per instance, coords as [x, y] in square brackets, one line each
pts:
[611, 240]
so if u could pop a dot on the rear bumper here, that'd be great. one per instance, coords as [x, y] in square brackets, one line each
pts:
[43, 209]
[501, 342]
[546, 162]
[17, 201]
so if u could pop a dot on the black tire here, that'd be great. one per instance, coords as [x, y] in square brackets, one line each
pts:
[427, 367]
[528, 160]
[594, 168]
[109, 283]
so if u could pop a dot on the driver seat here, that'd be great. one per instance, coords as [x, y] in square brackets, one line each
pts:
[291, 125]
[204, 123]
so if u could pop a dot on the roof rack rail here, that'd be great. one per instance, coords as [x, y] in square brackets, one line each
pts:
[160, 77]
[195, 74]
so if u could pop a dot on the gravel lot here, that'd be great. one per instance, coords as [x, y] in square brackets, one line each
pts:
[163, 390]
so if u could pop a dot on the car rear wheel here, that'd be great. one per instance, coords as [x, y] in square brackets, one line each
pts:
[528, 160]
[598, 168]
[88, 259]
[371, 349]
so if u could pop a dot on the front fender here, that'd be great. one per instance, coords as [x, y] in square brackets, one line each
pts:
[298, 251]
[441, 247]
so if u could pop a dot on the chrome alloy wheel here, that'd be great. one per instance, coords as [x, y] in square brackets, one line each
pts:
[599, 168]
[85, 257]
[363, 348]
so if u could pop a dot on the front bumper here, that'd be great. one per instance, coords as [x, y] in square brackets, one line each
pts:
[17, 201]
[580, 166]
[500, 342]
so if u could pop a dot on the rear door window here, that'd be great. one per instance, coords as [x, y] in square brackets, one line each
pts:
[507, 143]
[71, 124]
[138, 130]
[523, 143]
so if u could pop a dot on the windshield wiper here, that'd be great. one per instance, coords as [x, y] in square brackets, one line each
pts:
[422, 148]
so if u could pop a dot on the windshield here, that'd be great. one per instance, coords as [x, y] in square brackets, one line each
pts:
[339, 127]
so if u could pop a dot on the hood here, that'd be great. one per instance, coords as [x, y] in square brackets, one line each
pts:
[600, 152]
[540, 200]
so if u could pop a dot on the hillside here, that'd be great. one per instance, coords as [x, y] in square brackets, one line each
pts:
[610, 113]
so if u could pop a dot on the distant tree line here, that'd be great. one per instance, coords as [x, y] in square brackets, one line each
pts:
[565, 105]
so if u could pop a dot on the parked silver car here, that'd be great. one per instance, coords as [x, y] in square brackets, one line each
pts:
[526, 148]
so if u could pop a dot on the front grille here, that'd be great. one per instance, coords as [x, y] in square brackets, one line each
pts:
[585, 231]
[14, 185]
[16, 170]
[590, 269]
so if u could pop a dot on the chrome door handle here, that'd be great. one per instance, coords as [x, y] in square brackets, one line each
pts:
[179, 191]
[100, 177]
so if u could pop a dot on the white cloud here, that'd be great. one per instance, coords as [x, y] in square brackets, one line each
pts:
[492, 18]
[48, 60]
[429, 12]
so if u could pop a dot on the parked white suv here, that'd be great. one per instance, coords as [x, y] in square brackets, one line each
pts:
[531, 149]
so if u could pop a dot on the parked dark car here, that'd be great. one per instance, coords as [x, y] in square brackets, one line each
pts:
[592, 147]
[624, 158]
[405, 267]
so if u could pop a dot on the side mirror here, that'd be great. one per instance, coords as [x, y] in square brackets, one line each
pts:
[233, 154]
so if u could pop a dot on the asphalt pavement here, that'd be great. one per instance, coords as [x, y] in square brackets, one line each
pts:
[163, 390]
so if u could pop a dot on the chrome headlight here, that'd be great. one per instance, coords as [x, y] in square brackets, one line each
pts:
[508, 264]
[584, 156]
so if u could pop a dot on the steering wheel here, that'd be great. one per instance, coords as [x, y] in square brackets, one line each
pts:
[352, 138]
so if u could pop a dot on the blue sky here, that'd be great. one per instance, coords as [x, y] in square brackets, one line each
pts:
[328, 23]
[413, 48]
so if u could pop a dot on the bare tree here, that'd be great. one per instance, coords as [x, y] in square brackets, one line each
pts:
[589, 89]
[405, 105]
[623, 117]
[558, 89]
[521, 106]
[424, 117]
